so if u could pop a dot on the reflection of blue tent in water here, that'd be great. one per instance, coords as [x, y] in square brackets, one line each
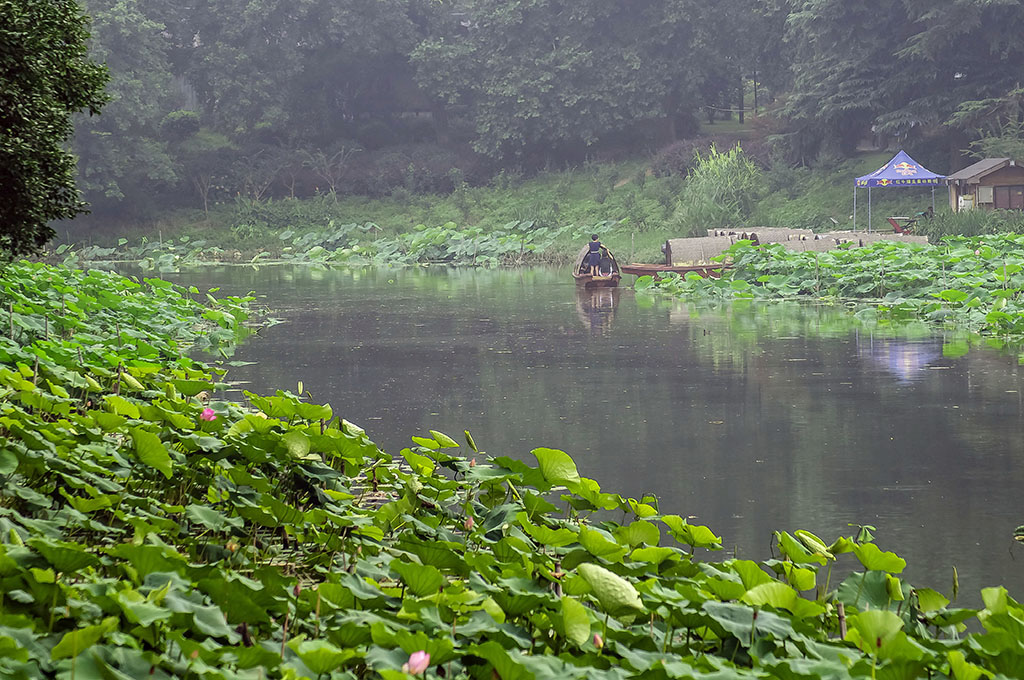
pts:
[900, 171]
[903, 358]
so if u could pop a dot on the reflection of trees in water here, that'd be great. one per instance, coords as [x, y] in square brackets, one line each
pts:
[595, 308]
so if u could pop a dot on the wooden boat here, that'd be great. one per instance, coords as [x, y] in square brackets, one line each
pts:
[608, 273]
[712, 270]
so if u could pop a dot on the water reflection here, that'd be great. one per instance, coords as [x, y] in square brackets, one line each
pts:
[905, 359]
[595, 308]
[750, 417]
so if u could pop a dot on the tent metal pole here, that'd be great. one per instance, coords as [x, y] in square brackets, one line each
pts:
[933, 200]
[855, 206]
[869, 209]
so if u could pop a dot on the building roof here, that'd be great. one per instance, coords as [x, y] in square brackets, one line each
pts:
[977, 170]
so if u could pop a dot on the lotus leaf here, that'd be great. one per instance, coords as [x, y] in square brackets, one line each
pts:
[615, 594]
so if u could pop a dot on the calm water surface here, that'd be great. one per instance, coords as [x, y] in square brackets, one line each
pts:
[749, 419]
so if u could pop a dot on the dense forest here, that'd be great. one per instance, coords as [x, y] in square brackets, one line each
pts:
[272, 98]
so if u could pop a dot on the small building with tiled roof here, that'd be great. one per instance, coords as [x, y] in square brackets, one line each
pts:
[991, 183]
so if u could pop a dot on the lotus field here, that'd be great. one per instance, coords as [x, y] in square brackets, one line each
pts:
[149, 529]
[974, 283]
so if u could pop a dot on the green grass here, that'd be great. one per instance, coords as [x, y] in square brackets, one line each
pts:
[624, 193]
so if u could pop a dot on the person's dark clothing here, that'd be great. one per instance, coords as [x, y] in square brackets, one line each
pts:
[595, 254]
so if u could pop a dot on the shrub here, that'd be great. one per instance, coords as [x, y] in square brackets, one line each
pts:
[721, 191]
[970, 223]
[177, 125]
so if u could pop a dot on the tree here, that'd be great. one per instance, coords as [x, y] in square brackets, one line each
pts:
[121, 154]
[540, 73]
[45, 76]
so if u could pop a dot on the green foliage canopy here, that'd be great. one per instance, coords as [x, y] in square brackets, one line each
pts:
[45, 76]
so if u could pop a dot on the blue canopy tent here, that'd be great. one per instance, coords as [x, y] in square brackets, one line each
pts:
[901, 171]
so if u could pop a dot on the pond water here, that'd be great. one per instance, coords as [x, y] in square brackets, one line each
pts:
[748, 419]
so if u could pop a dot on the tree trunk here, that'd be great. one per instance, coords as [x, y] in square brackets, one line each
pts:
[439, 113]
[740, 108]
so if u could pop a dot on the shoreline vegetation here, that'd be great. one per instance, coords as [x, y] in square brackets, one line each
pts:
[149, 528]
[633, 205]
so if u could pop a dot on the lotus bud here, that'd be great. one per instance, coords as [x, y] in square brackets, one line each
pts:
[297, 589]
[468, 524]
[598, 641]
[418, 663]
[472, 462]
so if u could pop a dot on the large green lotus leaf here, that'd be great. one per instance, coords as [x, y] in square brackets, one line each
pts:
[638, 533]
[872, 629]
[121, 406]
[212, 519]
[445, 555]
[598, 545]
[444, 440]
[421, 579]
[506, 665]
[655, 555]
[191, 388]
[750, 573]
[8, 462]
[77, 641]
[781, 596]
[799, 577]
[420, 464]
[738, 620]
[309, 411]
[795, 550]
[66, 558]
[615, 594]
[695, 535]
[239, 598]
[425, 443]
[963, 669]
[575, 621]
[813, 544]
[139, 610]
[930, 600]
[151, 450]
[147, 559]
[556, 466]
[553, 538]
[108, 422]
[296, 443]
[210, 621]
[872, 557]
[321, 656]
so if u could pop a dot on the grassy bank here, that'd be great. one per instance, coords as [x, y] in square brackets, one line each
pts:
[634, 206]
[151, 531]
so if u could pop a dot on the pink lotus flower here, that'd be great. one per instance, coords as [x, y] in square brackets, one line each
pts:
[418, 663]
[208, 414]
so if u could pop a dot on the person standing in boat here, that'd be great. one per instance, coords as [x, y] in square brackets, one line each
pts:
[594, 256]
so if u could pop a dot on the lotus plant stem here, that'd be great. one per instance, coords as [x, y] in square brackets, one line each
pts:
[284, 633]
[10, 316]
[841, 609]
[828, 577]
[53, 605]
[35, 371]
[860, 587]
[604, 635]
